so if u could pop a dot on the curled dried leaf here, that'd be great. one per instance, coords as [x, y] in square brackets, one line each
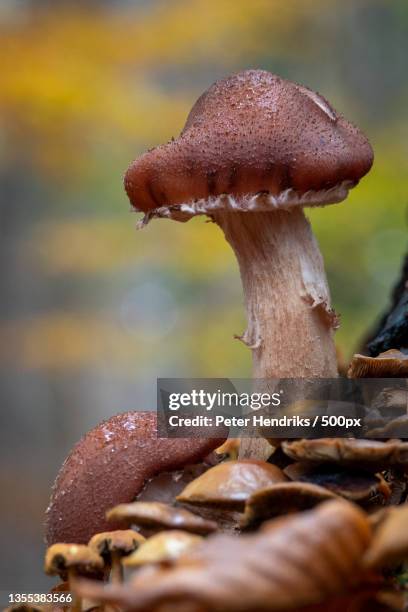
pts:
[229, 484]
[258, 571]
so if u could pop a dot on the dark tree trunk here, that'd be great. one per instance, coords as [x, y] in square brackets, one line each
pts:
[392, 329]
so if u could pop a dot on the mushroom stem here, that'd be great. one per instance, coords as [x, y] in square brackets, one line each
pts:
[116, 574]
[287, 300]
[76, 605]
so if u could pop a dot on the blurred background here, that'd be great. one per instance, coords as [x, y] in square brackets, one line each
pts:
[93, 311]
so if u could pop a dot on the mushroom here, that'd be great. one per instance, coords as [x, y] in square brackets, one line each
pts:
[371, 455]
[391, 401]
[255, 150]
[391, 364]
[113, 545]
[291, 562]
[354, 485]
[229, 484]
[155, 516]
[391, 428]
[70, 561]
[230, 448]
[281, 499]
[164, 548]
[109, 466]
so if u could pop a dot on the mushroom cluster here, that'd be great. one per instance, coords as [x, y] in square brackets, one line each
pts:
[323, 529]
[313, 560]
[296, 546]
[147, 524]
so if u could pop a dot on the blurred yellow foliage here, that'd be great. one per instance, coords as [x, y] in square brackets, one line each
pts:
[62, 341]
[71, 72]
[84, 89]
[102, 245]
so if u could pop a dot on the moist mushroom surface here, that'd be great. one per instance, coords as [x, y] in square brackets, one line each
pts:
[110, 466]
[255, 150]
[229, 484]
[248, 133]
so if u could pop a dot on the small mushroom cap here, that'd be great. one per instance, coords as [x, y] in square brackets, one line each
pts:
[391, 364]
[61, 587]
[229, 484]
[59, 558]
[281, 499]
[109, 466]
[156, 515]
[254, 132]
[390, 542]
[230, 448]
[351, 484]
[392, 428]
[122, 541]
[163, 547]
[371, 455]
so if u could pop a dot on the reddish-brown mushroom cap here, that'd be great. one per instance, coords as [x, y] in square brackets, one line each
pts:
[109, 466]
[253, 132]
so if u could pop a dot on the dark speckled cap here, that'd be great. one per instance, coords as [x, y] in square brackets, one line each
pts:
[253, 134]
[109, 466]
